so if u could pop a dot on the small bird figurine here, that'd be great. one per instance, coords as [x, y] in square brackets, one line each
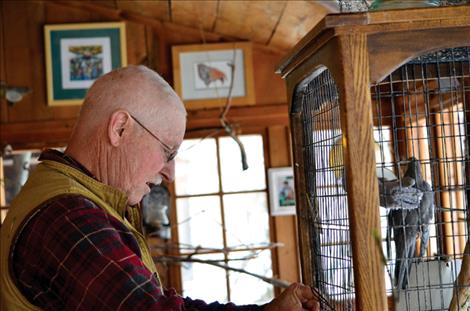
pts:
[461, 296]
[210, 74]
[155, 211]
[13, 94]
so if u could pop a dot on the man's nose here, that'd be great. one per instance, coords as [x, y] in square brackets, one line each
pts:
[168, 171]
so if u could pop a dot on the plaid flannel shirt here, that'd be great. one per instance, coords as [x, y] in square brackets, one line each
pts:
[72, 255]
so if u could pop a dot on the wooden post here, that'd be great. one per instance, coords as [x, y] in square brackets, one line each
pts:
[359, 156]
[466, 101]
[3, 212]
[285, 227]
[302, 206]
[442, 145]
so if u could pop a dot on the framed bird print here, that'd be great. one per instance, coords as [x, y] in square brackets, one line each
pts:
[207, 75]
[77, 54]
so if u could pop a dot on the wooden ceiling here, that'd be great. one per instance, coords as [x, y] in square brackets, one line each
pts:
[277, 24]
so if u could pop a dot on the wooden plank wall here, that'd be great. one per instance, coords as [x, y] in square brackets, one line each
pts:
[22, 64]
[32, 124]
[284, 226]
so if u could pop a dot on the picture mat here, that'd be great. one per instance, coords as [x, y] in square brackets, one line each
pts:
[118, 59]
[188, 63]
[66, 56]
[276, 177]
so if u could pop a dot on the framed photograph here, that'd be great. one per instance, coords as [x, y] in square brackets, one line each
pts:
[206, 74]
[281, 191]
[77, 54]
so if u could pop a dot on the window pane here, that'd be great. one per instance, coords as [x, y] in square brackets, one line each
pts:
[196, 167]
[246, 218]
[203, 281]
[246, 289]
[199, 221]
[233, 177]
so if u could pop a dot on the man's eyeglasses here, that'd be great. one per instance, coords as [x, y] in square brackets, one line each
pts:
[169, 153]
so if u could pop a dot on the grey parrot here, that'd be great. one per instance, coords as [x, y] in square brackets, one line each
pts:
[408, 224]
[396, 194]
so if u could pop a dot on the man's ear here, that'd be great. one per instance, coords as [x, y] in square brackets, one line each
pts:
[118, 125]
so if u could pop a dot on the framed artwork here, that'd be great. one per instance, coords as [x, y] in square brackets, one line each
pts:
[281, 191]
[77, 54]
[206, 74]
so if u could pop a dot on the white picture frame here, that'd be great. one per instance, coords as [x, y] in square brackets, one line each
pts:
[281, 191]
[203, 74]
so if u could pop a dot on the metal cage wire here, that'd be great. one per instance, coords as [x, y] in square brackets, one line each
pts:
[329, 234]
[420, 110]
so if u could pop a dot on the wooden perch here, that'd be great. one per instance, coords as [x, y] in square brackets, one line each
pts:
[461, 296]
[273, 281]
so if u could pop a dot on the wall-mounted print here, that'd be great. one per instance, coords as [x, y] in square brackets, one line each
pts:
[281, 191]
[206, 74]
[78, 54]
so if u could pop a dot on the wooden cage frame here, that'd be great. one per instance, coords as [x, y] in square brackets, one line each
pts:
[361, 49]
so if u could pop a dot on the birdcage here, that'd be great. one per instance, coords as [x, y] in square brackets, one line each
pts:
[380, 118]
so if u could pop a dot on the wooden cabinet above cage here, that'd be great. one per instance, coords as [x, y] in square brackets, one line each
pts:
[399, 79]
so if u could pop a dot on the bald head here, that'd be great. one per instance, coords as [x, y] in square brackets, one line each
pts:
[137, 89]
[130, 126]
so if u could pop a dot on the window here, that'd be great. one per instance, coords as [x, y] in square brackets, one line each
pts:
[14, 171]
[223, 211]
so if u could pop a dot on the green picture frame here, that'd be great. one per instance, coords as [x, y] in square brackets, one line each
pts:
[77, 54]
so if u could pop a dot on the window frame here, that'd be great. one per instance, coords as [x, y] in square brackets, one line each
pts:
[174, 273]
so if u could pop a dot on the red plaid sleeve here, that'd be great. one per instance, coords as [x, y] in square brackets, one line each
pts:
[74, 256]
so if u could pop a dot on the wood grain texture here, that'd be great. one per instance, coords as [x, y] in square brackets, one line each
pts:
[143, 38]
[153, 45]
[254, 20]
[3, 78]
[269, 87]
[24, 58]
[37, 134]
[364, 216]
[389, 51]
[446, 203]
[136, 43]
[174, 271]
[56, 14]
[59, 15]
[105, 3]
[420, 15]
[378, 23]
[257, 21]
[298, 18]
[303, 210]
[32, 133]
[461, 292]
[242, 116]
[460, 296]
[195, 14]
[2, 189]
[157, 9]
[284, 226]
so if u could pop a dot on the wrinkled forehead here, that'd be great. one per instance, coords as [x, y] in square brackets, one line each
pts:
[166, 116]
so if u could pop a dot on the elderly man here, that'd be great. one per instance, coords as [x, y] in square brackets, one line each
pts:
[71, 239]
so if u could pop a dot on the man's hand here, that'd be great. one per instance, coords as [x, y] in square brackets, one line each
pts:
[297, 297]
